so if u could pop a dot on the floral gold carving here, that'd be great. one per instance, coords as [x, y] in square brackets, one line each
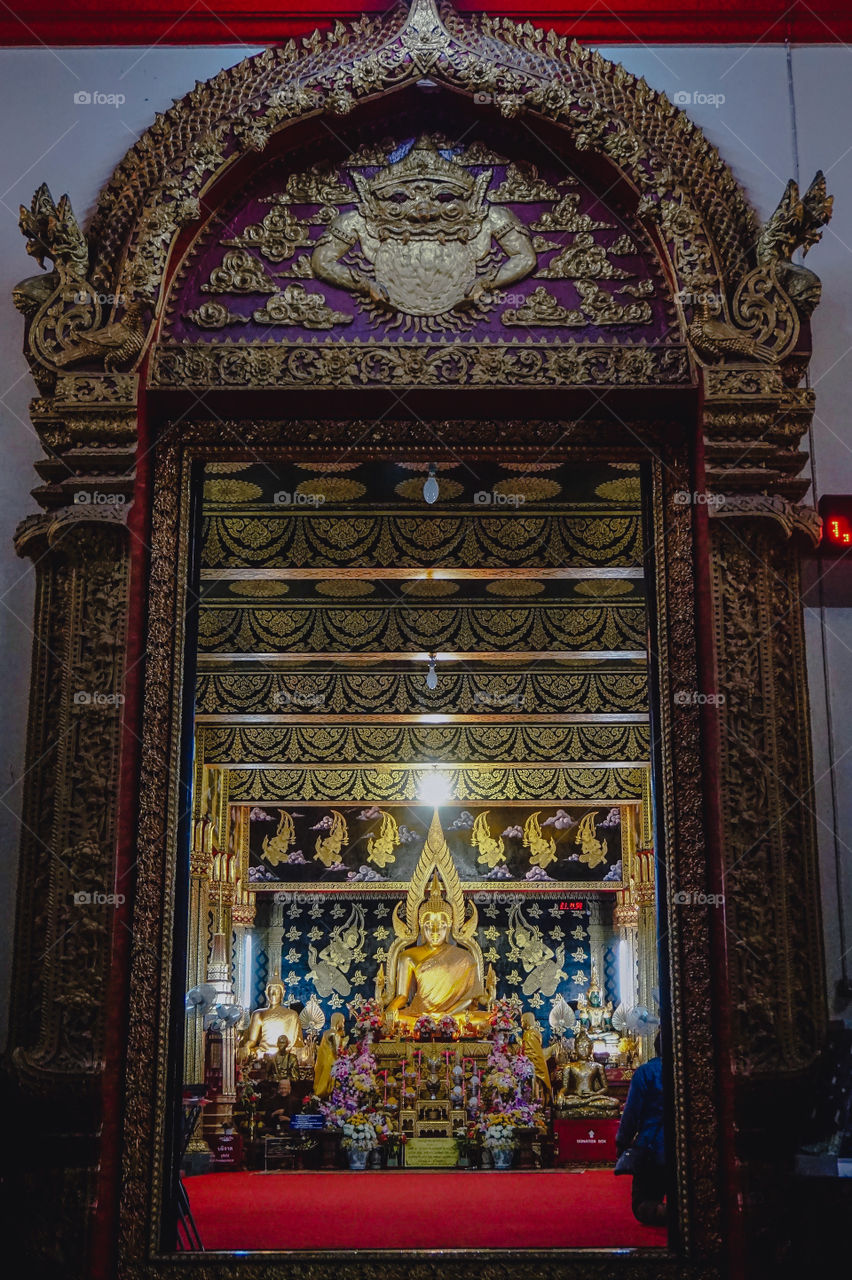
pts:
[240, 273]
[394, 364]
[295, 306]
[541, 308]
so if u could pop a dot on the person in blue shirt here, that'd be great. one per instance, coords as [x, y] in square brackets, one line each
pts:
[641, 1127]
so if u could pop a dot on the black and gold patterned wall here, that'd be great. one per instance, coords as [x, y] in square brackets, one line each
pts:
[327, 587]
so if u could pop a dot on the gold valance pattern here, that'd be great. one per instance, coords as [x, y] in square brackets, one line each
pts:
[467, 782]
[259, 537]
[400, 629]
[345, 744]
[405, 692]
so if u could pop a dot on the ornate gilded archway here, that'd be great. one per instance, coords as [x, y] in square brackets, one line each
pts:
[716, 396]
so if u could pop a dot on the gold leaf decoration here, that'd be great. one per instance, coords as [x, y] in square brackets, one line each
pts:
[516, 587]
[530, 488]
[413, 489]
[322, 467]
[530, 467]
[226, 468]
[429, 587]
[597, 587]
[625, 489]
[426, 467]
[260, 588]
[332, 488]
[231, 491]
[345, 588]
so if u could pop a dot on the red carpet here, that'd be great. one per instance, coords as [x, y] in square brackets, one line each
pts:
[417, 1209]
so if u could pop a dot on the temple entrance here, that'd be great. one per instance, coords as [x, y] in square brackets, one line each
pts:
[421, 910]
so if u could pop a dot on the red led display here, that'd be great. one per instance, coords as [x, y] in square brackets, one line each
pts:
[836, 512]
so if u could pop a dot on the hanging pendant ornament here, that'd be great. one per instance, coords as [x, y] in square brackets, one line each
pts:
[431, 491]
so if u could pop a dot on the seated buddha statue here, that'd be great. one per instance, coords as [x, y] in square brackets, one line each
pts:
[435, 977]
[266, 1026]
[595, 1017]
[585, 1091]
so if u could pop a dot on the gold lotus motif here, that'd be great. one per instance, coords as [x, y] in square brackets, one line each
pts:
[531, 488]
[430, 587]
[226, 468]
[625, 489]
[345, 588]
[515, 587]
[259, 588]
[332, 488]
[604, 587]
[413, 489]
[231, 491]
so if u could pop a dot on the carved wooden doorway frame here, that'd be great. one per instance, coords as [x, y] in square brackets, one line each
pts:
[739, 818]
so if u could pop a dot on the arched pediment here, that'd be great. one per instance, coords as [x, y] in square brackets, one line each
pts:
[731, 293]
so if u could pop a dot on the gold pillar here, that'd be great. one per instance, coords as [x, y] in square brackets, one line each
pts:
[244, 908]
[200, 857]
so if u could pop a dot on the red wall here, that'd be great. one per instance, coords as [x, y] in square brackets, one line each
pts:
[177, 22]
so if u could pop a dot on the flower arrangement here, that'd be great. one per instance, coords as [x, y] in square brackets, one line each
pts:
[425, 1028]
[498, 1134]
[370, 1018]
[505, 1015]
[507, 1091]
[506, 1072]
[249, 1097]
[363, 1130]
[351, 1105]
[448, 1027]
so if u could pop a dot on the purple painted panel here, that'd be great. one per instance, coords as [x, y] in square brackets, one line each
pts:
[421, 244]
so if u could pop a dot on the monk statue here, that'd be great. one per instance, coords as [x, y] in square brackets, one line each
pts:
[265, 1026]
[332, 1042]
[531, 1040]
[435, 976]
[585, 1091]
[284, 1065]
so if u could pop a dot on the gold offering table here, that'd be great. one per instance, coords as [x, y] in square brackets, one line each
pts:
[418, 1080]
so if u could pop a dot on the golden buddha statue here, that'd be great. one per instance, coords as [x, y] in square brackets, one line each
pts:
[435, 966]
[585, 1091]
[267, 1025]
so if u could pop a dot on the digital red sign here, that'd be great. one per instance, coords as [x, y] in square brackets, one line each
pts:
[836, 512]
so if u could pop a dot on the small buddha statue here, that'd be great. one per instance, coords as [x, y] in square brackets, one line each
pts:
[267, 1025]
[435, 976]
[585, 1091]
[332, 1042]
